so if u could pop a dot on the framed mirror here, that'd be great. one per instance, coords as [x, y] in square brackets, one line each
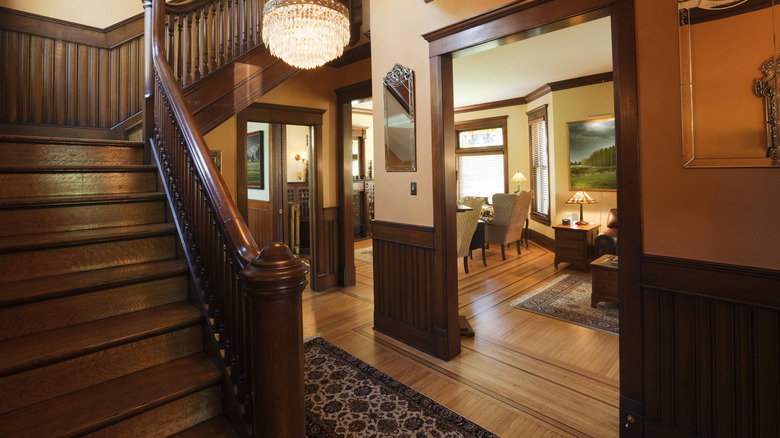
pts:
[400, 150]
[727, 83]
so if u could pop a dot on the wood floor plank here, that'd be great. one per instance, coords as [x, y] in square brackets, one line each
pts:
[523, 374]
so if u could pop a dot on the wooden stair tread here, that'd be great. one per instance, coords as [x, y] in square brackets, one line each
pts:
[37, 289]
[98, 406]
[78, 169]
[60, 344]
[48, 201]
[217, 427]
[67, 238]
[10, 138]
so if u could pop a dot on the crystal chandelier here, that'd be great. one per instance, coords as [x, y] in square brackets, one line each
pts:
[305, 33]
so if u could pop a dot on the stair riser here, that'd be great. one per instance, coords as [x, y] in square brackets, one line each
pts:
[21, 185]
[35, 154]
[55, 313]
[54, 261]
[84, 371]
[170, 418]
[79, 217]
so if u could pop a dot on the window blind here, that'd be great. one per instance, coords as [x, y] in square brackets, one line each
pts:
[480, 175]
[540, 170]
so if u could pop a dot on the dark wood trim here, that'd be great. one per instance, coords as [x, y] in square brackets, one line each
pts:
[290, 115]
[703, 15]
[509, 20]
[351, 56]
[732, 283]
[405, 234]
[63, 131]
[629, 199]
[217, 99]
[581, 81]
[108, 38]
[491, 105]
[445, 274]
[346, 247]
[242, 195]
[540, 239]
[539, 92]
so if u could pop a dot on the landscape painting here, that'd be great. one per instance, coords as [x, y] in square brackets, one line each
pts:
[592, 155]
[255, 165]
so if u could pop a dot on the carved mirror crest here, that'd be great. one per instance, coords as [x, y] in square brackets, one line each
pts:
[400, 150]
[727, 85]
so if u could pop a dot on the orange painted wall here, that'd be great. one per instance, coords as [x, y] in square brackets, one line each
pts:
[719, 215]
[726, 58]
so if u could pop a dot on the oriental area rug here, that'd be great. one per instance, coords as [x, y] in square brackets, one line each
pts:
[568, 298]
[346, 397]
[365, 255]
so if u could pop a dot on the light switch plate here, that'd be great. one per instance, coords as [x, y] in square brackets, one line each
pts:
[414, 188]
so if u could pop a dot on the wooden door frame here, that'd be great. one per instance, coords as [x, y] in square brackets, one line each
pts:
[291, 115]
[504, 22]
[346, 249]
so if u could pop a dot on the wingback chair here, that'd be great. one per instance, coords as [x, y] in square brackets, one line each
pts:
[509, 214]
[466, 222]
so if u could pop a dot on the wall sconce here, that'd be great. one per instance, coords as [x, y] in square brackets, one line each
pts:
[301, 156]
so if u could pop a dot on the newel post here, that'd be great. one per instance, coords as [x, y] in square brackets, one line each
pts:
[272, 285]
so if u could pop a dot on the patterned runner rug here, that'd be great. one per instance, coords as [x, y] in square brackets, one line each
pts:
[365, 255]
[568, 298]
[346, 397]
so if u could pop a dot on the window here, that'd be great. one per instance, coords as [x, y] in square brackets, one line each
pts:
[540, 165]
[480, 157]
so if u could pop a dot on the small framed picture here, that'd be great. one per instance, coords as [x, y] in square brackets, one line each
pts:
[217, 157]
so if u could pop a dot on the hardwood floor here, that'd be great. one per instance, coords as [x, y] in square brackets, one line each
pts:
[522, 375]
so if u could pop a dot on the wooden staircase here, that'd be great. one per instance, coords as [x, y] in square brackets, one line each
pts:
[97, 333]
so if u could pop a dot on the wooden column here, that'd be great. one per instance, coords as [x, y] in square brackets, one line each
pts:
[272, 285]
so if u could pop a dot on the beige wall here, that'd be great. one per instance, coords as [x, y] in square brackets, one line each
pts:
[297, 142]
[396, 27]
[573, 105]
[366, 121]
[96, 13]
[719, 215]
[223, 138]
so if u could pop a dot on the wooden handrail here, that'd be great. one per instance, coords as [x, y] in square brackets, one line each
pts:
[252, 298]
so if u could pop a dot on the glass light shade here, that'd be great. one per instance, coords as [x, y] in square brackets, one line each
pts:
[305, 33]
[581, 198]
[518, 177]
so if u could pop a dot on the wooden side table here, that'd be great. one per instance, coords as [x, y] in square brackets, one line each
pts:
[605, 280]
[575, 244]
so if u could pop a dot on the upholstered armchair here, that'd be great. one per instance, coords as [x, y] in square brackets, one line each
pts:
[509, 214]
[606, 242]
[466, 222]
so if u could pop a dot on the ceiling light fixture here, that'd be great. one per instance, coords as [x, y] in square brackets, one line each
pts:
[305, 33]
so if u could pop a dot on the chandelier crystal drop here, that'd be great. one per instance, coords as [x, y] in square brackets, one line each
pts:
[305, 33]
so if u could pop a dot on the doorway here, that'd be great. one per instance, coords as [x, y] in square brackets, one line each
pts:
[292, 131]
[513, 20]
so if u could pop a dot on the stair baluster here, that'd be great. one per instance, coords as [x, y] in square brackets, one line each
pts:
[252, 298]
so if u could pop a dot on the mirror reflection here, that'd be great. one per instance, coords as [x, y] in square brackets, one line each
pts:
[400, 151]
[726, 50]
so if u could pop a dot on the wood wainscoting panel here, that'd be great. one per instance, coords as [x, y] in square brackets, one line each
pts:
[404, 306]
[65, 75]
[711, 348]
[260, 222]
[327, 249]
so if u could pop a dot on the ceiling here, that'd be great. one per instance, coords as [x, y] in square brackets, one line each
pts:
[516, 69]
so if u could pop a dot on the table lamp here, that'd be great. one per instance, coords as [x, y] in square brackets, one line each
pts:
[517, 178]
[581, 198]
